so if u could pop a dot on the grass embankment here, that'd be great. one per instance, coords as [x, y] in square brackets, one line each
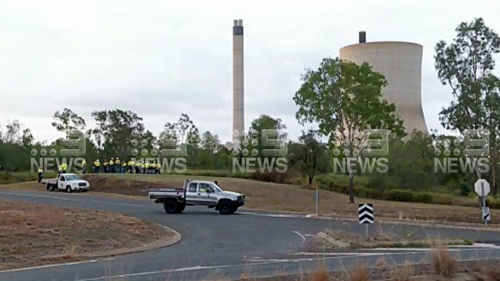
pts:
[9, 177]
[287, 197]
[32, 234]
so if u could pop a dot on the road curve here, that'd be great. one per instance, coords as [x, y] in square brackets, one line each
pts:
[219, 246]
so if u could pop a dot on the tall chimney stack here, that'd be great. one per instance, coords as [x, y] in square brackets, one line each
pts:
[238, 81]
[362, 37]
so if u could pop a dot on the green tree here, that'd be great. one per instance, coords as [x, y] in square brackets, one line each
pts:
[466, 65]
[266, 133]
[67, 121]
[119, 131]
[309, 155]
[344, 99]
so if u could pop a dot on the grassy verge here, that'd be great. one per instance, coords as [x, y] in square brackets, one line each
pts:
[9, 177]
[339, 239]
[286, 197]
[32, 234]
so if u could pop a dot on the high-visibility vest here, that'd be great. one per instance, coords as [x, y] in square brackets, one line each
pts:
[111, 162]
[60, 168]
[158, 166]
[131, 163]
[124, 164]
[64, 166]
[84, 162]
[40, 171]
[117, 161]
[105, 164]
[97, 163]
[146, 165]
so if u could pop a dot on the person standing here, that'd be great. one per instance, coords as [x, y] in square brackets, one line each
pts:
[112, 165]
[40, 175]
[158, 168]
[118, 165]
[64, 166]
[59, 170]
[105, 165]
[97, 165]
[146, 167]
[137, 167]
[131, 166]
[124, 166]
[84, 167]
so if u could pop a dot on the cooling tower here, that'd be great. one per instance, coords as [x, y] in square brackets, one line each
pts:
[238, 81]
[401, 64]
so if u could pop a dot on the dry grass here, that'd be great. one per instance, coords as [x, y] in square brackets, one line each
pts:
[261, 195]
[320, 274]
[443, 263]
[33, 234]
[381, 262]
[359, 273]
[402, 273]
[490, 274]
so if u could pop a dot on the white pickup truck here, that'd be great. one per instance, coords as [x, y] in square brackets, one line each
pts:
[67, 182]
[196, 192]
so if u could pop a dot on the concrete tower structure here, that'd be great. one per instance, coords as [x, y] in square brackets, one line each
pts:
[238, 81]
[401, 64]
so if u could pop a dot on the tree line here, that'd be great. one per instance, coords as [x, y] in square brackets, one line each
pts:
[345, 102]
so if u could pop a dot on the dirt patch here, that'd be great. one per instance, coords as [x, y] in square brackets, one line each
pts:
[33, 234]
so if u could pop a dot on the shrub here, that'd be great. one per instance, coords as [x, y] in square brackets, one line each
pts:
[401, 195]
[424, 197]
[270, 176]
[443, 263]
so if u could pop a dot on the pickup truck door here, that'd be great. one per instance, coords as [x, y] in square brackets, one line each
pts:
[61, 182]
[192, 194]
[206, 194]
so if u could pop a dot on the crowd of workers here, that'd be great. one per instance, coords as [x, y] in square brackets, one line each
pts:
[132, 166]
[113, 166]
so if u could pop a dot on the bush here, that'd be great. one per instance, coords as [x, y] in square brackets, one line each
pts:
[401, 195]
[272, 176]
[443, 263]
[424, 197]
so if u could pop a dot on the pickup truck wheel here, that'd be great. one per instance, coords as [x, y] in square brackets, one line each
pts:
[181, 208]
[68, 189]
[226, 207]
[171, 206]
[50, 187]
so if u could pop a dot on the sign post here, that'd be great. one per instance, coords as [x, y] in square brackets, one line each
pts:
[482, 188]
[316, 200]
[366, 216]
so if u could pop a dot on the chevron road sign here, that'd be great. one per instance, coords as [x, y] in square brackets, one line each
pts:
[365, 214]
[486, 214]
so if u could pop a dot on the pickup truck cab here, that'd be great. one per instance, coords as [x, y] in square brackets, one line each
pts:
[204, 193]
[67, 182]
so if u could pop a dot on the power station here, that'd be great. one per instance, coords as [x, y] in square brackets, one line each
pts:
[401, 64]
[238, 82]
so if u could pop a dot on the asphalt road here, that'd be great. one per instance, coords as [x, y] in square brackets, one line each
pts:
[215, 246]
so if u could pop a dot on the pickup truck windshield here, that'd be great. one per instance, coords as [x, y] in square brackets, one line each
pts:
[72, 178]
[216, 188]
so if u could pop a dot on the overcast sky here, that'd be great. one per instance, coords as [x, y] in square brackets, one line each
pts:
[163, 58]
